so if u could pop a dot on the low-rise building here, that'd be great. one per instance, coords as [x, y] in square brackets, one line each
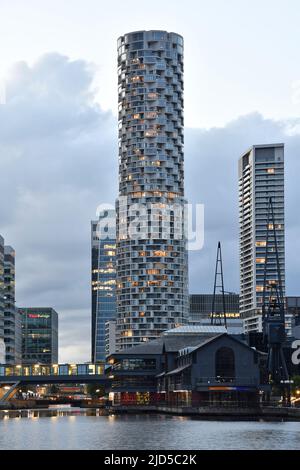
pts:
[201, 306]
[186, 368]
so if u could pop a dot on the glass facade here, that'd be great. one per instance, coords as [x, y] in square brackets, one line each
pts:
[39, 335]
[261, 176]
[152, 280]
[103, 285]
[201, 305]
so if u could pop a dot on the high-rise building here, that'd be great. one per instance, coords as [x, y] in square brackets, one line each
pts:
[261, 176]
[152, 280]
[103, 283]
[39, 335]
[12, 325]
[2, 344]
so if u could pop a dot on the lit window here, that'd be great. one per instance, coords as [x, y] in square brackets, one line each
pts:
[153, 271]
[160, 253]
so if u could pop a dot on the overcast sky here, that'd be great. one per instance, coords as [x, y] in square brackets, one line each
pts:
[58, 132]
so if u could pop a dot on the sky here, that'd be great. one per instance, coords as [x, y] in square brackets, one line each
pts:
[58, 132]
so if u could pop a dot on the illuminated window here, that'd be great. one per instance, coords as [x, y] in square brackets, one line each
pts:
[153, 271]
[260, 260]
[261, 243]
[271, 171]
[160, 253]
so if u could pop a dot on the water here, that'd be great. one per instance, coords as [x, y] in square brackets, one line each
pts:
[88, 429]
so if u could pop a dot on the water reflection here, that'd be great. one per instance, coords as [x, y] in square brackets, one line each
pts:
[52, 412]
[76, 428]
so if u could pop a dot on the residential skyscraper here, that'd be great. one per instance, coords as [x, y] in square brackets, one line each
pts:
[2, 344]
[12, 324]
[261, 176]
[103, 283]
[152, 278]
[39, 335]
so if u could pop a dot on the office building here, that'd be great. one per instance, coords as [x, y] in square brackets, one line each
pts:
[103, 282]
[110, 337]
[152, 280]
[2, 344]
[261, 176]
[201, 310]
[293, 306]
[39, 335]
[201, 306]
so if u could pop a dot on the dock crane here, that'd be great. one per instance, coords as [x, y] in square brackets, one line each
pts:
[273, 312]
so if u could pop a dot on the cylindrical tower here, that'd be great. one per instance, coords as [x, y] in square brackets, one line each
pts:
[152, 278]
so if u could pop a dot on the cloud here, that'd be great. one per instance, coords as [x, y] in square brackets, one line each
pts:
[58, 161]
[211, 166]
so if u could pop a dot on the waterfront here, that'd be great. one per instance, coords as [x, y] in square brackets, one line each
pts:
[65, 428]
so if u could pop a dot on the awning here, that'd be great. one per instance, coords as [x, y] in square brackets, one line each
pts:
[179, 369]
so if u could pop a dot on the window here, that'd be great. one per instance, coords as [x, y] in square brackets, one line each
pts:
[225, 364]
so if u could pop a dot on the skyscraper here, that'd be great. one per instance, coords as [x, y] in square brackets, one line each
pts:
[261, 176]
[103, 284]
[12, 323]
[2, 344]
[152, 280]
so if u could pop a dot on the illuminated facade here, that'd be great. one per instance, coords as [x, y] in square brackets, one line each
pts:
[39, 335]
[261, 176]
[152, 280]
[103, 284]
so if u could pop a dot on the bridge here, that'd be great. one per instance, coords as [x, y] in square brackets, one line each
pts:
[13, 377]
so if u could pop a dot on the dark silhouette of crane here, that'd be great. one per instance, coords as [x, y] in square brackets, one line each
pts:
[273, 312]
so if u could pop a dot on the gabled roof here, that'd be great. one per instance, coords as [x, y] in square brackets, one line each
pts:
[174, 343]
[231, 337]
